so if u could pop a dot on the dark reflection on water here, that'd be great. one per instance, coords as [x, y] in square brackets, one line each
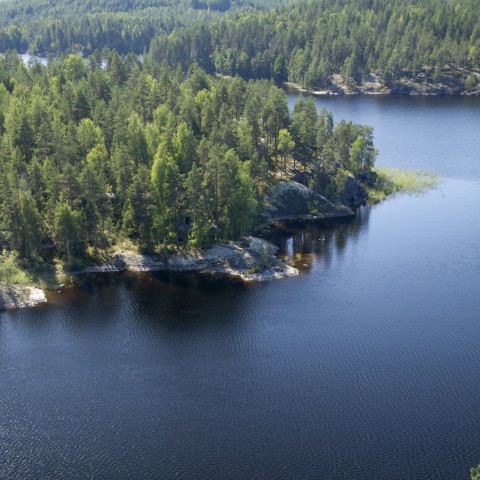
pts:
[301, 243]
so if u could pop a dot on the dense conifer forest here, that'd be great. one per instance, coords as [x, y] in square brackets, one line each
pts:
[304, 42]
[128, 26]
[311, 41]
[90, 156]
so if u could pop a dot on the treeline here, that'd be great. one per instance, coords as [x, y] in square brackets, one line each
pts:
[311, 41]
[140, 151]
[306, 43]
[57, 26]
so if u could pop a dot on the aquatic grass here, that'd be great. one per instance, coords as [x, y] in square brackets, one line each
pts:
[410, 181]
[393, 180]
[475, 473]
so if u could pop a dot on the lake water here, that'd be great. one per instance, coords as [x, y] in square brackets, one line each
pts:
[365, 366]
[28, 58]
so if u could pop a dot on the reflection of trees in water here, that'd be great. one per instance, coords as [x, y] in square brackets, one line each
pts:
[166, 302]
[299, 240]
[151, 303]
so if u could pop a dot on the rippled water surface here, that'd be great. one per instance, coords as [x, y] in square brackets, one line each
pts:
[366, 366]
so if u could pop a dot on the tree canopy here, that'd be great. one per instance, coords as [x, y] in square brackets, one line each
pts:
[305, 42]
[90, 156]
[128, 26]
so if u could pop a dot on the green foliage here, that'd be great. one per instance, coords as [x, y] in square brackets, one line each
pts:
[362, 152]
[340, 180]
[471, 83]
[475, 473]
[9, 270]
[149, 158]
[305, 44]
[309, 42]
[58, 26]
[67, 228]
[265, 257]
[166, 186]
[304, 120]
[285, 147]
[409, 181]
[392, 180]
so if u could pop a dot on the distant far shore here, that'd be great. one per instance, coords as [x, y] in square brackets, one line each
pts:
[451, 81]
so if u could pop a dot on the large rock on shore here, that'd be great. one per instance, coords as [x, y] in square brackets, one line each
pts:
[427, 81]
[20, 297]
[368, 178]
[354, 193]
[292, 200]
[251, 259]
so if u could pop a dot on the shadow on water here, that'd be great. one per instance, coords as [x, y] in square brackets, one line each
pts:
[301, 242]
[155, 304]
[153, 295]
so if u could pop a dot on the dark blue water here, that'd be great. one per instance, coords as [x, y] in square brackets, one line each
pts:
[366, 366]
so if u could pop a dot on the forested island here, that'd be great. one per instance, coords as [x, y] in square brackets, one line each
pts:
[142, 158]
[163, 136]
[108, 154]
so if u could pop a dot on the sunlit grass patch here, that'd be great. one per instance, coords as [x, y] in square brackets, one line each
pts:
[392, 180]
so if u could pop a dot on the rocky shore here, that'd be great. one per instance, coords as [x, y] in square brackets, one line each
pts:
[450, 81]
[251, 259]
[294, 201]
[21, 297]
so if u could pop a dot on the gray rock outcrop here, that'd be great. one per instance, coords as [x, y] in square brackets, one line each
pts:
[449, 81]
[20, 297]
[368, 178]
[251, 259]
[354, 194]
[292, 200]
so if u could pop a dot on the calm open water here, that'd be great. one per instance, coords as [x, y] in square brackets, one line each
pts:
[366, 366]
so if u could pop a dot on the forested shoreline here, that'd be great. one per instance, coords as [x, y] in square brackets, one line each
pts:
[309, 43]
[181, 148]
[140, 152]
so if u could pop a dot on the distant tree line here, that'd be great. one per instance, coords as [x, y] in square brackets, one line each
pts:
[305, 43]
[313, 40]
[128, 26]
[139, 151]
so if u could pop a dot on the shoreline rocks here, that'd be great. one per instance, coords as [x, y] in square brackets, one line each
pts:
[425, 82]
[291, 200]
[21, 297]
[354, 193]
[251, 259]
